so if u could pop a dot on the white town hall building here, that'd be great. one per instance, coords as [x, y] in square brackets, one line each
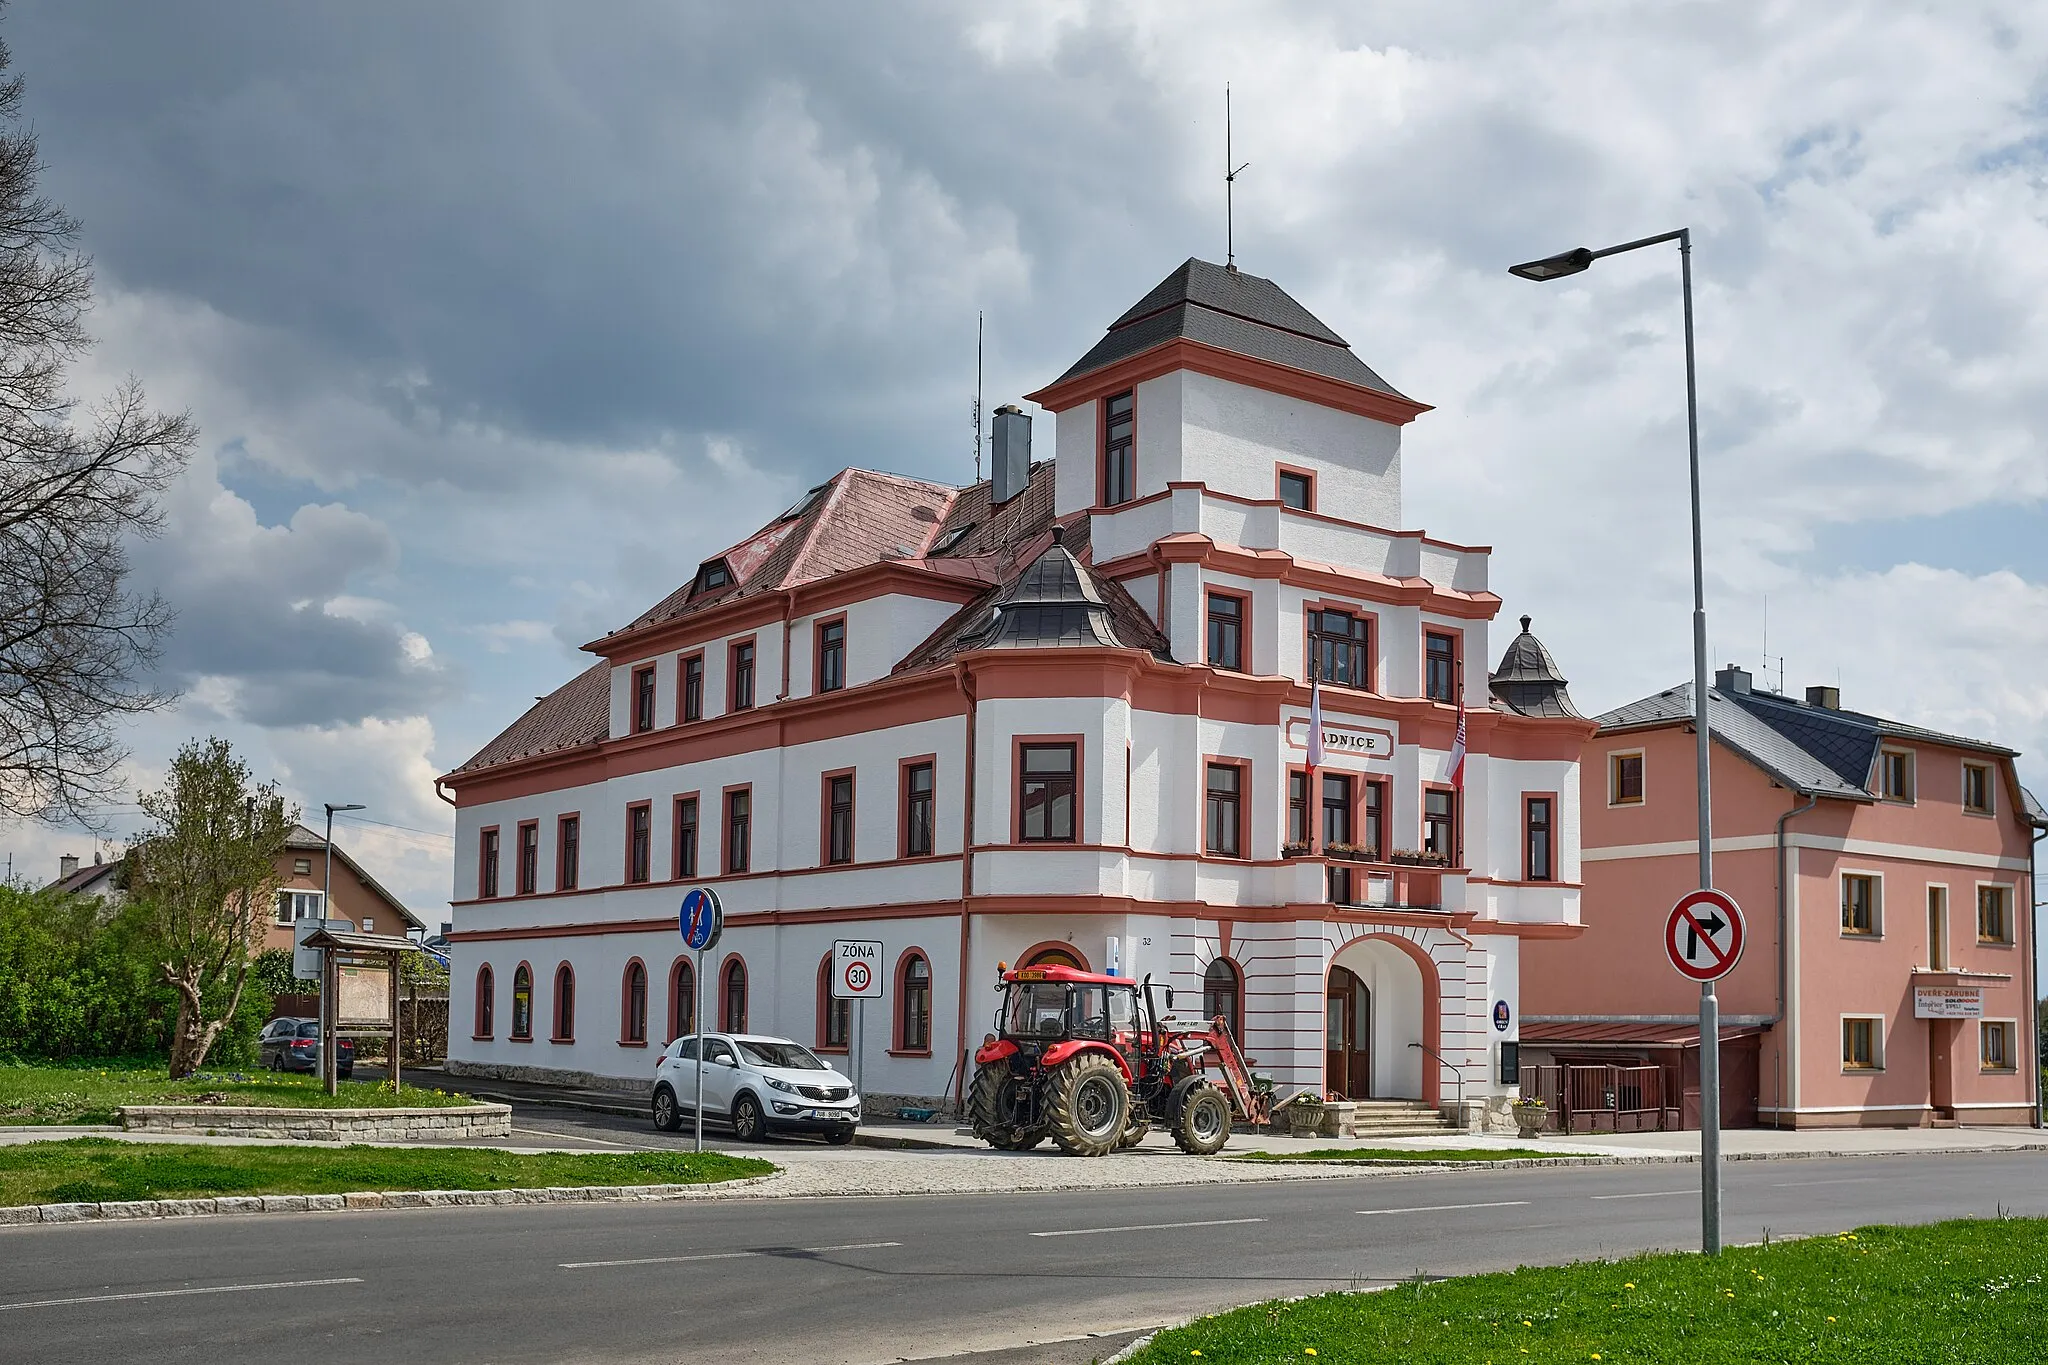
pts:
[1060, 716]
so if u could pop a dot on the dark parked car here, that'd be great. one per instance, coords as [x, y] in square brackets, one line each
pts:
[294, 1045]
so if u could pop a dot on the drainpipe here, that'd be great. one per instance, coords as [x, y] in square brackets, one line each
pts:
[2034, 971]
[1782, 1018]
[966, 684]
[443, 795]
[788, 624]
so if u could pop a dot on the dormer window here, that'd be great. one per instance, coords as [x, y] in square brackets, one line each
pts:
[712, 575]
[805, 503]
[952, 538]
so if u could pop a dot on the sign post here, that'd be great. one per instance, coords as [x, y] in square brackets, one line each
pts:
[702, 920]
[857, 976]
[1704, 936]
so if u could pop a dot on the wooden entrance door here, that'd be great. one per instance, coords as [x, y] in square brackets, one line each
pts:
[1347, 1032]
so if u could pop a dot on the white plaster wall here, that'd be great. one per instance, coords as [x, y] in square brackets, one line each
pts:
[1103, 724]
[1234, 436]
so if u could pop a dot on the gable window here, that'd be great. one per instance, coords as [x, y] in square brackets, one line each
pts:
[914, 1004]
[1540, 867]
[633, 998]
[529, 858]
[1976, 789]
[742, 675]
[1625, 779]
[1226, 631]
[1119, 450]
[568, 851]
[685, 857]
[1298, 490]
[1222, 809]
[832, 656]
[682, 999]
[1337, 643]
[302, 867]
[1860, 906]
[1862, 1045]
[639, 842]
[1994, 914]
[1995, 1050]
[1297, 808]
[1439, 666]
[1046, 794]
[486, 1002]
[1896, 766]
[1221, 991]
[739, 816]
[1439, 823]
[565, 1004]
[643, 699]
[692, 670]
[487, 864]
[733, 1007]
[917, 810]
[1336, 809]
[839, 818]
[522, 1002]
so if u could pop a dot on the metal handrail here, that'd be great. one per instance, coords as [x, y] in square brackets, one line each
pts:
[1460, 1072]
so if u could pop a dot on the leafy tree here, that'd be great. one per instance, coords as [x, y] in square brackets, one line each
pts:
[206, 870]
[76, 981]
[76, 640]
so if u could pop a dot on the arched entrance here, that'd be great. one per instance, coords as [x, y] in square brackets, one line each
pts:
[1053, 954]
[1377, 1002]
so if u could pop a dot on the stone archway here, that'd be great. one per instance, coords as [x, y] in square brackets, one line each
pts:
[1384, 995]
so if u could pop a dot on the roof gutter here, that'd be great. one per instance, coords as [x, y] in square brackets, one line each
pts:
[1787, 1054]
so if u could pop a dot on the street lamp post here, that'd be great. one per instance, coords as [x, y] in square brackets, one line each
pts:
[327, 1063]
[1557, 267]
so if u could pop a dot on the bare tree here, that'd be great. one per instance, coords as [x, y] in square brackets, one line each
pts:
[76, 641]
[206, 870]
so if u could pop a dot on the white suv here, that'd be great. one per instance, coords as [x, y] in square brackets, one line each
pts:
[757, 1085]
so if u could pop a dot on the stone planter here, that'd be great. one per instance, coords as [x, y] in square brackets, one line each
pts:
[1304, 1122]
[1529, 1120]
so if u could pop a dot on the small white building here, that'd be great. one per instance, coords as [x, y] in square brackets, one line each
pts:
[1058, 716]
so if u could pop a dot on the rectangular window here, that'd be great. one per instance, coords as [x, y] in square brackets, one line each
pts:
[643, 699]
[1995, 1045]
[1297, 490]
[293, 906]
[839, 818]
[1223, 809]
[1937, 928]
[1439, 667]
[1897, 768]
[739, 817]
[1372, 833]
[1046, 794]
[1625, 779]
[1336, 809]
[1440, 823]
[1119, 450]
[1976, 789]
[1859, 903]
[1297, 808]
[1338, 642]
[487, 864]
[1540, 867]
[529, 858]
[686, 838]
[639, 842]
[742, 676]
[692, 672]
[831, 656]
[1226, 631]
[917, 810]
[1862, 1045]
[568, 841]
[1994, 914]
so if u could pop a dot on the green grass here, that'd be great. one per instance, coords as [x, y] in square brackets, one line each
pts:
[1383, 1154]
[93, 1170]
[1973, 1293]
[85, 1094]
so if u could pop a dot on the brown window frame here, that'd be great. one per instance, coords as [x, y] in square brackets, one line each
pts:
[1871, 1048]
[1236, 625]
[1617, 777]
[1451, 821]
[486, 988]
[642, 699]
[568, 850]
[1979, 775]
[1902, 792]
[1233, 1015]
[685, 832]
[522, 999]
[911, 1026]
[1370, 819]
[2009, 1031]
[633, 1014]
[1297, 827]
[682, 999]
[728, 1021]
[737, 858]
[2001, 895]
[1872, 909]
[828, 657]
[741, 683]
[564, 1003]
[1306, 478]
[689, 687]
[1357, 642]
[1117, 460]
[910, 799]
[836, 819]
[1539, 837]
[1025, 746]
[487, 844]
[526, 865]
[1337, 800]
[1449, 659]
[1226, 813]
[835, 1015]
[639, 843]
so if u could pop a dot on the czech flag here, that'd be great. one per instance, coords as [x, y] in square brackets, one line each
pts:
[1458, 748]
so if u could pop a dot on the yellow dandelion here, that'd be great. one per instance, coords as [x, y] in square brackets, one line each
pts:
[1308, 1350]
[1629, 1285]
[1527, 1323]
[1194, 1353]
[1831, 1318]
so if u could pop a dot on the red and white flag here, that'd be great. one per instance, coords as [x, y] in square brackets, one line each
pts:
[1458, 748]
[1315, 723]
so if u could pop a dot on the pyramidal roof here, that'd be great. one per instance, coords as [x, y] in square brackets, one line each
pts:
[1528, 680]
[1223, 307]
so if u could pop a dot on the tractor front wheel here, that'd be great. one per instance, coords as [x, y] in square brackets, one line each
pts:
[992, 1105]
[1087, 1105]
[1203, 1124]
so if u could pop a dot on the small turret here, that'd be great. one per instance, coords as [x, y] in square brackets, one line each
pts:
[1527, 681]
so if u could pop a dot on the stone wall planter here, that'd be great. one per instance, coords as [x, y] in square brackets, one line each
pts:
[322, 1125]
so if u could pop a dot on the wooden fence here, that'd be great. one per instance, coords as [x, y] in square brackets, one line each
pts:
[1601, 1099]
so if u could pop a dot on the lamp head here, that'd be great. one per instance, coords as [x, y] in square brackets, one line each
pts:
[332, 808]
[1554, 267]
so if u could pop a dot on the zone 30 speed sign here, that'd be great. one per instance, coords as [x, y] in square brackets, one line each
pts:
[856, 969]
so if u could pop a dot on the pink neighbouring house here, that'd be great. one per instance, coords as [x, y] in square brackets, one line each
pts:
[1900, 859]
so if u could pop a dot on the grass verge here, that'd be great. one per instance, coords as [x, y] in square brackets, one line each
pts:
[1381, 1155]
[96, 1170]
[1960, 1291]
[64, 1094]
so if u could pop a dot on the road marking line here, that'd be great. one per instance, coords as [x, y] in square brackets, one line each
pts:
[717, 1256]
[175, 1293]
[1646, 1194]
[574, 1137]
[1847, 1180]
[1447, 1208]
[1150, 1227]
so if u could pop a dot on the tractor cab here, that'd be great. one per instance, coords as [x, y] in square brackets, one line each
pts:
[1047, 1005]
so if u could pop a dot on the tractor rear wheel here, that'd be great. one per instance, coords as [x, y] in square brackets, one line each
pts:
[1087, 1105]
[1203, 1124]
[991, 1107]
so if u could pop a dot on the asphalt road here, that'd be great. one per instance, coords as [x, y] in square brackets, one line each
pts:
[871, 1280]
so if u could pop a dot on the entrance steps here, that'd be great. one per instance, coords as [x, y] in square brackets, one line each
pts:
[1398, 1118]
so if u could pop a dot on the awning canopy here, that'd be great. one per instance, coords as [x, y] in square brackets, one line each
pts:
[354, 941]
[1625, 1033]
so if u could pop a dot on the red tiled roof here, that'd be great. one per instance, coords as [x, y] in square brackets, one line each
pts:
[577, 712]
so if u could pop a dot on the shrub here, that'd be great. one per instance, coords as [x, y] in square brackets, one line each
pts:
[78, 980]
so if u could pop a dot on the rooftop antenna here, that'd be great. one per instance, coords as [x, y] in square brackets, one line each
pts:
[1229, 188]
[977, 395]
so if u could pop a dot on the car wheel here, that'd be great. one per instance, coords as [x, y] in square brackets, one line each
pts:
[276, 1062]
[839, 1137]
[668, 1115]
[748, 1124]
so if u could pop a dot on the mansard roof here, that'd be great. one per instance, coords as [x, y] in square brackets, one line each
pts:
[1054, 602]
[1528, 681]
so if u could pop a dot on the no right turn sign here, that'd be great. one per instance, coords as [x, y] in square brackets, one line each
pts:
[1704, 935]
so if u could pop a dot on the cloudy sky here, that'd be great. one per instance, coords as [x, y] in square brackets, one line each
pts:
[496, 317]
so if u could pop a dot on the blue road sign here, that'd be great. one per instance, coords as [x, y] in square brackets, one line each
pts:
[702, 918]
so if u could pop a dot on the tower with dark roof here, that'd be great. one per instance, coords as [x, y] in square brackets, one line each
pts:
[1528, 681]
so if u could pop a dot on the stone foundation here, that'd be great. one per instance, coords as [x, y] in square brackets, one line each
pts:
[323, 1125]
[550, 1075]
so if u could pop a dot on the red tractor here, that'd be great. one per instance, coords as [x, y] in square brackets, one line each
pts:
[1090, 1062]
